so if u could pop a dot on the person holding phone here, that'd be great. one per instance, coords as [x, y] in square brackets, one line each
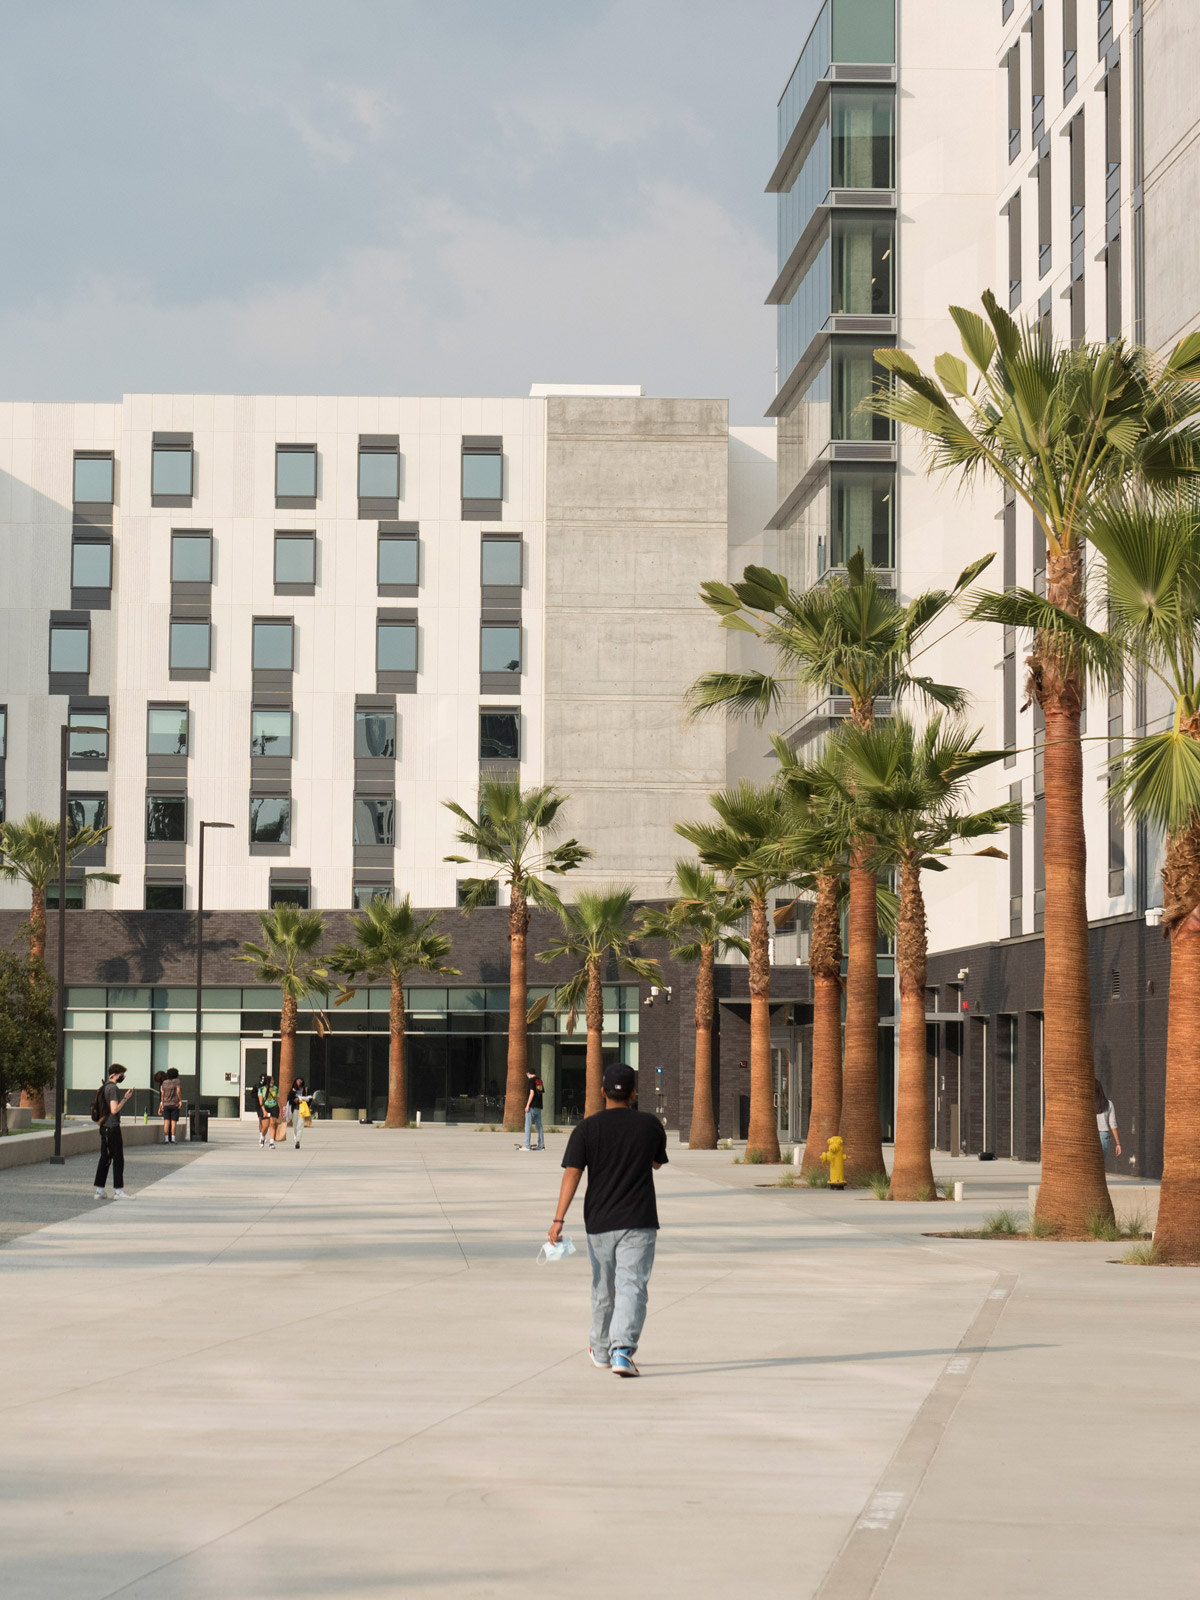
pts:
[112, 1146]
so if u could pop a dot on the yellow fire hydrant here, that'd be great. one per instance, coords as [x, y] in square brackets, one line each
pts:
[835, 1160]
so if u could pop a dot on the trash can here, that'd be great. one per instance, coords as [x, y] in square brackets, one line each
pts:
[198, 1126]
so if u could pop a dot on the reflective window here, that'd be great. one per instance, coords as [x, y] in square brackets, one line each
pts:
[291, 894]
[374, 820]
[164, 897]
[88, 746]
[379, 474]
[270, 819]
[295, 558]
[863, 267]
[398, 560]
[191, 645]
[171, 470]
[499, 735]
[94, 480]
[273, 645]
[91, 565]
[166, 818]
[862, 516]
[364, 893]
[167, 731]
[854, 376]
[864, 139]
[501, 562]
[86, 811]
[296, 472]
[270, 733]
[396, 647]
[864, 30]
[489, 897]
[70, 649]
[499, 647]
[482, 477]
[191, 558]
[375, 733]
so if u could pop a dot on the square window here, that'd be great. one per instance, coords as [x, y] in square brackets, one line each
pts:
[482, 477]
[167, 731]
[273, 645]
[191, 558]
[374, 820]
[270, 819]
[70, 649]
[296, 472]
[191, 645]
[171, 470]
[166, 818]
[164, 897]
[379, 475]
[86, 811]
[375, 734]
[490, 894]
[500, 647]
[364, 893]
[398, 560]
[91, 565]
[295, 558]
[88, 746]
[499, 735]
[501, 562]
[93, 480]
[291, 894]
[396, 647]
[270, 733]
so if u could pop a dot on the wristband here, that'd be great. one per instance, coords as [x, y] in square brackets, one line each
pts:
[559, 1220]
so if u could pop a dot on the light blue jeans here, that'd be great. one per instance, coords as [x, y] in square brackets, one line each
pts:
[533, 1119]
[621, 1263]
[1106, 1141]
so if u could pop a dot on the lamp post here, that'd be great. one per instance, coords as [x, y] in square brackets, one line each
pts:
[194, 1131]
[60, 1057]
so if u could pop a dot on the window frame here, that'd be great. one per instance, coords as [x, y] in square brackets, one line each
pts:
[194, 536]
[158, 885]
[271, 625]
[170, 445]
[514, 713]
[297, 502]
[482, 508]
[90, 542]
[104, 505]
[68, 677]
[88, 761]
[156, 705]
[274, 711]
[155, 798]
[379, 505]
[494, 625]
[361, 716]
[180, 672]
[295, 536]
[278, 846]
[498, 542]
[369, 800]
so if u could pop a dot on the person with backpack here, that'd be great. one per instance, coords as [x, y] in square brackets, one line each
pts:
[268, 1111]
[106, 1110]
[533, 1112]
[170, 1102]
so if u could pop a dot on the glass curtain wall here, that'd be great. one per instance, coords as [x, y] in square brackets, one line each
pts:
[863, 125]
[863, 267]
[854, 377]
[862, 516]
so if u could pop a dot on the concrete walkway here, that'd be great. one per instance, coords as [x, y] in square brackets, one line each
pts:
[338, 1372]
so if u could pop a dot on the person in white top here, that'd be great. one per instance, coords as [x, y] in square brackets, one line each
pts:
[1106, 1121]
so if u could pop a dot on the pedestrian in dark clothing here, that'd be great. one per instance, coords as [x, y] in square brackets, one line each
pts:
[620, 1149]
[112, 1148]
[170, 1102]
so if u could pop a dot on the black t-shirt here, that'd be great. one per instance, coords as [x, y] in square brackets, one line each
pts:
[113, 1093]
[618, 1150]
[535, 1084]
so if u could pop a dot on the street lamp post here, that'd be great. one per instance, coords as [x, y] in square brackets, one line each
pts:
[194, 1131]
[60, 1058]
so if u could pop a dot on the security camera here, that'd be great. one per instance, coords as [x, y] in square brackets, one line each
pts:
[963, 972]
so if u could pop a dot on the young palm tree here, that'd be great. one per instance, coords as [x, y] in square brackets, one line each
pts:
[512, 832]
[908, 787]
[287, 959]
[29, 851]
[701, 926]
[1062, 429]
[758, 845]
[854, 635]
[390, 942]
[597, 929]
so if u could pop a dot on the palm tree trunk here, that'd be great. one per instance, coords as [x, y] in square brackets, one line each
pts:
[1073, 1186]
[825, 964]
[35, 1099]
[912, 1166]
[515, 1092]
[1177, 1233]
[397, 1106]
[860, 1129]
[287, 1049]
[594, 1088]
[763, 1139]
[702, 1135]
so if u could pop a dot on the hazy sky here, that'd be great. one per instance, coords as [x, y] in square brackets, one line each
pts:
[362, 196]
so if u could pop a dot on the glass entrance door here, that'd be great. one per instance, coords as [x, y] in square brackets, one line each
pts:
[781, 1071]
[256, 1062]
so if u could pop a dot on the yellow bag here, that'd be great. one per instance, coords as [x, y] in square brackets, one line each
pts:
[305, 1113]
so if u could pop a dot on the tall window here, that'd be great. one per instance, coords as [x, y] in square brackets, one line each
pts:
[396, 646]
[863, 267]
[167, 731]
[191, 645]
[1012, 63]
[93, 479]
[500, 647]
[191, 558]
[1045, 215]
[863, 125]
[1016, 870]
[379, 471]
[854, 376]
[1070, 36]
[91, 564]
[86, 811]
[482, 475]
[375, 734]
[70, 648]
[296, 476]
[862, 516]
[374, 819]
[499, 736]
[398, 561]
[500, 562]
[273, 644]
[270, 819]
[172, 474]
[270, 732]
[1037, 69]
[88, 746]
[166, 818]
[1013, 211]
[295, 559]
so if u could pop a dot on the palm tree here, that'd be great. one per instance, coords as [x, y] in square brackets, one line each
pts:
[700, 926]
[511, 832]
[852, 634]
[1062, 429]
[597, 929]
[29, 851]
[390, 942]
[758, 845]
[287, 959]
[908, 787]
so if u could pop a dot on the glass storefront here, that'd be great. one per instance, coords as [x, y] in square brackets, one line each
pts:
[456, 1047]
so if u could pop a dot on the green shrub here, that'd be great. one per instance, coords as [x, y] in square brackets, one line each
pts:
[788, 1181]
[1101, 1227]
[817, 1179]
[1038, 1229]
[1001, 1224]
[1142, 1255]
[879, 1183]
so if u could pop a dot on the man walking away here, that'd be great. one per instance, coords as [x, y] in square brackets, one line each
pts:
[112, 1147]
[533, 1111]
[620, 1149]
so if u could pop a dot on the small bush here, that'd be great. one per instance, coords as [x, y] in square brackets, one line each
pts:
[1101, 1227]
[946, 1190]
[879, 1183]
[1142, 1255]
[817, 1179]
[1135, 1226]
[788, 1181]
[1001, 1224]
[755, 1158]
[1039, 1229]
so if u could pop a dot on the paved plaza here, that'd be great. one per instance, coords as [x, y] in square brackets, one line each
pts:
[339, 1372]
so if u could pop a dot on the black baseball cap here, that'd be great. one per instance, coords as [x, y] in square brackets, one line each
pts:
[619, 1080]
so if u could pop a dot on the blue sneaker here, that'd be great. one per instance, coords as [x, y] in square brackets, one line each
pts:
[622, 1364]
[599, 1357]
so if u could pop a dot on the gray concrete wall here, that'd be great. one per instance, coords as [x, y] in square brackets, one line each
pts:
[1172, 50]
[637, 495]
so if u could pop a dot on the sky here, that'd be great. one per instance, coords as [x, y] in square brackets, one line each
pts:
[382, 196]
